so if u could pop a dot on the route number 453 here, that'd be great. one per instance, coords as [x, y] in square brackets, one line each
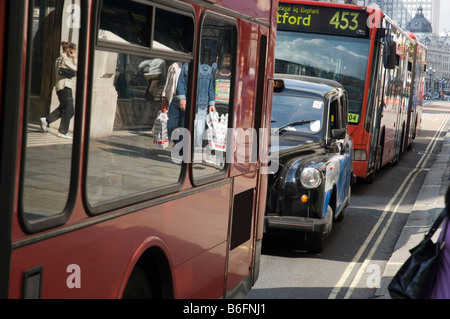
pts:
[345, 20]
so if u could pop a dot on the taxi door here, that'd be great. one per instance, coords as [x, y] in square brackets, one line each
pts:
[341, 143]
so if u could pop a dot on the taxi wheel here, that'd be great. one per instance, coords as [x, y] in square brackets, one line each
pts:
[329, 218]
[314, 241]
[341, 215]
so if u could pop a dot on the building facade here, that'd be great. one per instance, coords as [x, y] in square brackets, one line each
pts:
[403, 11]
[438, 64]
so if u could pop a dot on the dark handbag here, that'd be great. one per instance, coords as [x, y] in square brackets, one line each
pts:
[416, 277]
[67, 73]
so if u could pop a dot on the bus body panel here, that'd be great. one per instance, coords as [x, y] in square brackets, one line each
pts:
[182, 228]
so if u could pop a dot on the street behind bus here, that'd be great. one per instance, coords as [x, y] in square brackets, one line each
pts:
[359, 247]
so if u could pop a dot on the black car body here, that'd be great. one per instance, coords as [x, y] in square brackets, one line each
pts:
[312, 185]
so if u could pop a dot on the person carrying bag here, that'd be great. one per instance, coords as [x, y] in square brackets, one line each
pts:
[426, 273]
[66, 70]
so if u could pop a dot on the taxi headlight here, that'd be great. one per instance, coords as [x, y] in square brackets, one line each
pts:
[310, 178]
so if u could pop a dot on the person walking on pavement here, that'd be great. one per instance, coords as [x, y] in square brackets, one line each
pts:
[66, 68]
[441, 286]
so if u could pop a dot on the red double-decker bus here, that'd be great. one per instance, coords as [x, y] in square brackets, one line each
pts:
[381, 67]
[96, 202]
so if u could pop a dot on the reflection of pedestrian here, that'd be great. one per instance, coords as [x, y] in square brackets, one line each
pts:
[205, 100]
[153, 71]
[171, 83]
[222, 83]
[215, 65]
[176, 111]
[122, 86]
[65, 84]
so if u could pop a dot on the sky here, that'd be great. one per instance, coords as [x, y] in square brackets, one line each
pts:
[444, 21]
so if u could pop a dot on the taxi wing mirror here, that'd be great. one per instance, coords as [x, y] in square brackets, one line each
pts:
[338, 133]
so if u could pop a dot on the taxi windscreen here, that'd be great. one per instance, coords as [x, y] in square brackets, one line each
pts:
[292, 113]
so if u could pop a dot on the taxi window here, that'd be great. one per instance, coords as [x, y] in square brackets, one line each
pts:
[335, 117]
[297, 114]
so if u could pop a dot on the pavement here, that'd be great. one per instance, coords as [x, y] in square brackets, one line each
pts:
[429, 204]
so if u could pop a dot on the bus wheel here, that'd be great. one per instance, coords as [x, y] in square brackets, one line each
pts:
[137, 286]
[371, 178]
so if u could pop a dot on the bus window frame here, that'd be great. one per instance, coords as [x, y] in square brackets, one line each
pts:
[95, 45]
[56, 220]
[130, 48]
[202, 180]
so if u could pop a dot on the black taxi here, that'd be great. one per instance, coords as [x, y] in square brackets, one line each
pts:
[311, 185]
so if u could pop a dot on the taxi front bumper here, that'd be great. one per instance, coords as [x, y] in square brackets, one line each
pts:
[315, 225]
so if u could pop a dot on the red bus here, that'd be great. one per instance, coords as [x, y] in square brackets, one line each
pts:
[381, 67]
[94, 207]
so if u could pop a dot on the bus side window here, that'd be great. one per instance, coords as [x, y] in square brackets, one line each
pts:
[214, 99]
[49, 125]
[131, 154]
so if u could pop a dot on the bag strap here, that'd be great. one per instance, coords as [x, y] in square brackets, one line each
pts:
[436, 224]
[443, 236]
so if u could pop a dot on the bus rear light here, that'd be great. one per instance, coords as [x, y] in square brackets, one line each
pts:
[360, 155]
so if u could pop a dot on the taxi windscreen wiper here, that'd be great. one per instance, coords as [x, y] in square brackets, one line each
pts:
[293, 124]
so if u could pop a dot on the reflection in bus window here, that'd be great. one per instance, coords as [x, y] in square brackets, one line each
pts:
[343, 59]
[126, 22]
[125, 161]
[130, 23]
[130, 147]
[214, 96]
[173, 32]
[48, 156]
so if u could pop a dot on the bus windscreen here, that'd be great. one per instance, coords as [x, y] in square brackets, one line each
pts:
[340, 58]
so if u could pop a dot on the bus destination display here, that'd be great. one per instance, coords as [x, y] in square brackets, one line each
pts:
[297, 17]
